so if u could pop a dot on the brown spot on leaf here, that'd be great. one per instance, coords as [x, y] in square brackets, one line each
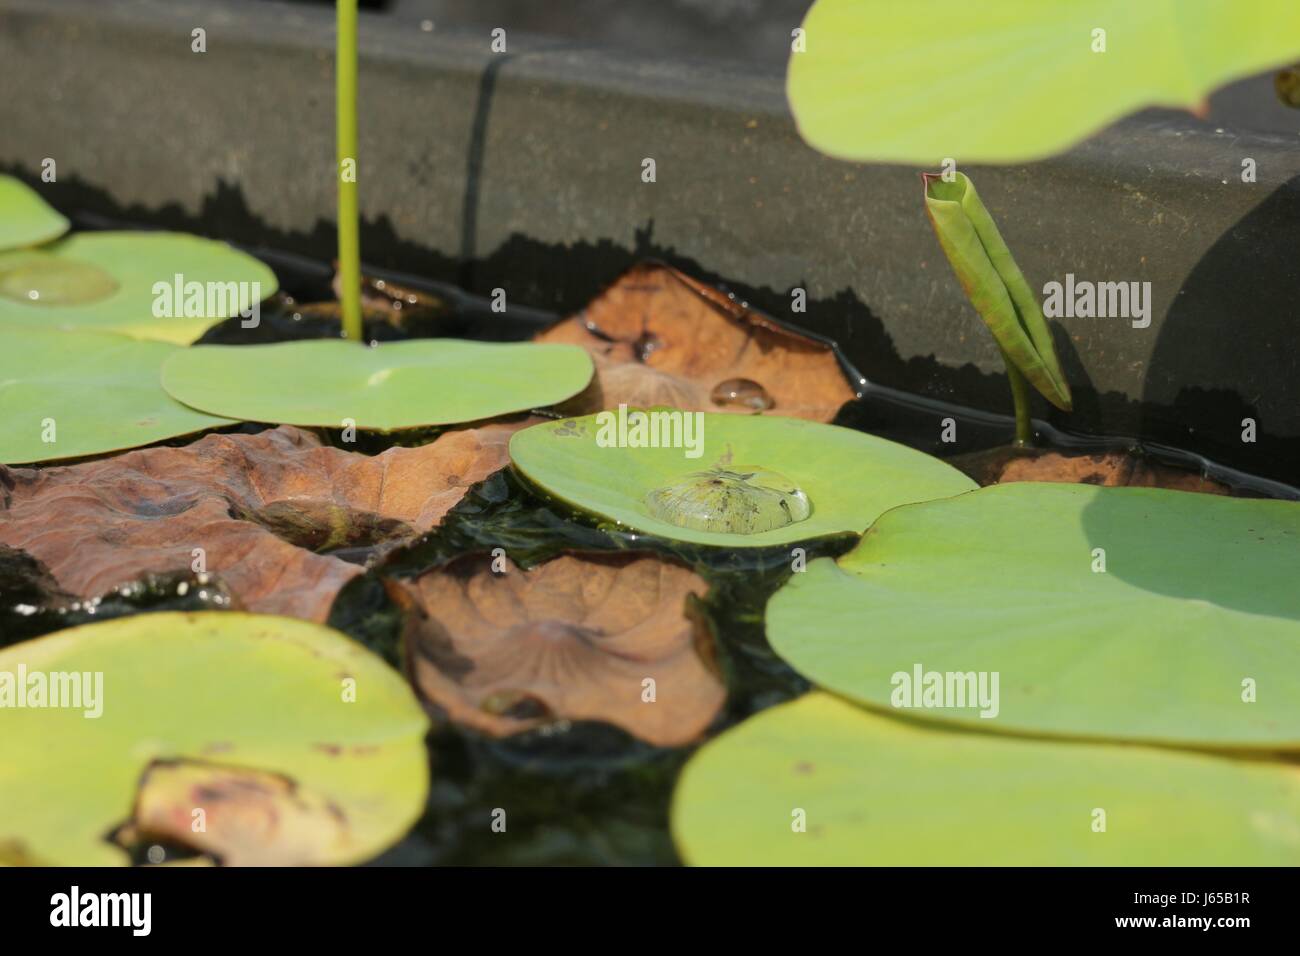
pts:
[250, 817]
[574, 638]
[258, 505]
[658, 337]
[1287, 84]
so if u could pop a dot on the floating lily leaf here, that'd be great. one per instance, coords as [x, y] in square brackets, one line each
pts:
[732, 493]
[25, 218]
[73, 394]
[1015, 80]
[1129, 613]
[995, 284]
[658, 337]
[386, 387]
[576, 638]
[818, 781]
[244, 507]
[243, 692]
[105, 281]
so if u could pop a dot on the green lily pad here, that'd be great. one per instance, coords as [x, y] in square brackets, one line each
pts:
[394, 385]
[128, 282]
[876, 790]
[1011, 82]
[754, 481]
[1190, 635]
[71, 394]
[216, 694]
[25, 218]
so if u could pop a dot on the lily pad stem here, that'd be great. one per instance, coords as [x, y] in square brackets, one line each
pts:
[1020, 397]
[345, 65]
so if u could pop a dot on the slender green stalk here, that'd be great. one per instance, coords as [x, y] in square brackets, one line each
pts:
[345, 66]
[1020, 397]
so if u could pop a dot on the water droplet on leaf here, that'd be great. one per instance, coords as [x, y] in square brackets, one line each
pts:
[735, 500]
[43, 279]
[742, 393]
[646, 345]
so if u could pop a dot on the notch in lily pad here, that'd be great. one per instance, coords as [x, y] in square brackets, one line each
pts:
[740, 482]
[997, 288]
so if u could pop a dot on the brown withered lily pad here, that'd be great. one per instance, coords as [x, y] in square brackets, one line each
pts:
[1110, 468]
[250, 817]
[268, 513]
[658, 337]
[591, 637]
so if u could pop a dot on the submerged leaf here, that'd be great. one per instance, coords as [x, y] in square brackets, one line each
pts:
[1015, 80]
[1113, 469]
[25, 218]
[32, 603]
[840, 479]
[390, 386]
[167, 286]
[256, 695]
[228, 503]
[590, 637]
[819, 781]
[1130, 613]
[658, 337]
[75, 394]
[994, 283]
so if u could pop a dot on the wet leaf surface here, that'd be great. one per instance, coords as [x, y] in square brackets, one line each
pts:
[101, 523]
[839, 480]
[658, 337]
[590, 637]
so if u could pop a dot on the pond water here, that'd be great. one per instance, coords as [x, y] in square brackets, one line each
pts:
[571, 792]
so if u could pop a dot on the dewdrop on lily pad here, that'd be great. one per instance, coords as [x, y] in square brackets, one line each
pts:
[734, 500]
